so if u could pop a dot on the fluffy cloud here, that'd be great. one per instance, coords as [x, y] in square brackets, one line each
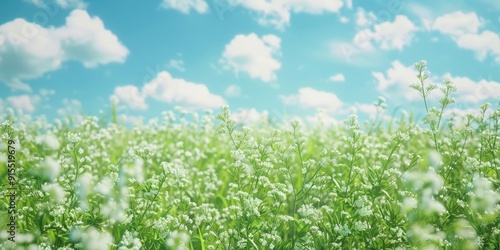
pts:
[396, 81]
[364, 19]
[71, 108]
[165, 88]
[457, 23]
[177, 64]
[253, 55]
[487, 42]
[471, 91]
[28, 50]
[185, 6]
[130, 96]
[320, 118]
[65, 4]
[23, 103]
[368, 109]
[348, 4]
[249, 116]
[233, 91]
[315, 99]
[85, 39]
[277, 13]
[388, 35]
[70, 4]
[337, 78]
[463, 28]
[2, 107]
[47, 92]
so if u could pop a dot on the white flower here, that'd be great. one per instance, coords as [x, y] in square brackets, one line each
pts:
[104, 187]
[361, 226]
[429, 204]
[179, 240]
[74, 138]
[435, 159]
[409, 203]
[55, 191]
[49, 140]
[51, 168]
[130, 241]
[485, 197]
[93, 239]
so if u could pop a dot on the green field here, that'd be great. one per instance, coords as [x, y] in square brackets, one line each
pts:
[183, 182]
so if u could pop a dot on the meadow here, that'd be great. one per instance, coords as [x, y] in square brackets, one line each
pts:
[210, 183]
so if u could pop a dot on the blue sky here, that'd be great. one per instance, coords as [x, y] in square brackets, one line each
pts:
[263, 58]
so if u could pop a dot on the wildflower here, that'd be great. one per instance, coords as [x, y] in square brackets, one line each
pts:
[435, 159]
[55, 191]
[179, 240]
[130, 241]
[361, 226]
[485, 197]
[342, 230]
[49, 140]
[92, 239]
[409, 203]
[74, 138]
[51, 168]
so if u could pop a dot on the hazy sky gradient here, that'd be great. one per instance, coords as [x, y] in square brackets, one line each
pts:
[262, 58]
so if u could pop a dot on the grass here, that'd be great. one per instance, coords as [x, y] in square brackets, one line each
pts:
[207, 184]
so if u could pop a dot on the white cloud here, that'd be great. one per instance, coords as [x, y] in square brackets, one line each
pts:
[28, 51]
[277, 13]
[315, 99]
[460, 114]
[233, 91]
[348, 4]
[249, 116]
[389, 35]
[167, 89]
[337, 78]
[47, 92]
[354, 56]
[23, 103]
[130, 96]
[37, 3]
[483, 44]
[364, 19]
[71, 108]
[177, 64]
[471, 91]
[131, 119]
[71, 4]
[185, 6]
[85, 39]
[2, 107]
[65, 4]
[463, 28]
[321, 118]
[493, 3]
[344, 19]
[457, 23]
[368, 109]
[253, 55]
[396, 81]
